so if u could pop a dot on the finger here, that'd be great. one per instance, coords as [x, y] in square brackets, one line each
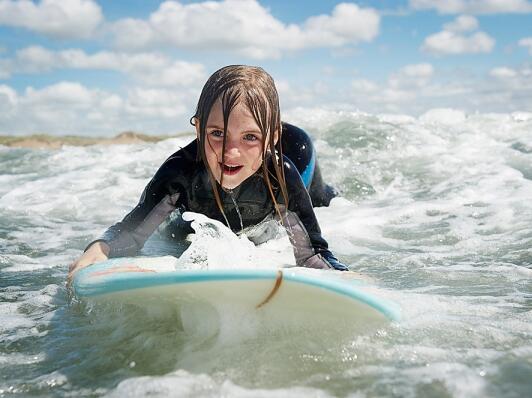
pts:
[72, 266]
[69, 279]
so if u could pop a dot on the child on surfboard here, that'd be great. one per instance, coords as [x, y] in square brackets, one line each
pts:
[244, 167]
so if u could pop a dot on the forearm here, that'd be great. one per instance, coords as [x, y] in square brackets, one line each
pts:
[120, 241]
[306, 232]
[127, 237]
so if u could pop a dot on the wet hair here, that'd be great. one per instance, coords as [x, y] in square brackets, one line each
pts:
[254, 88]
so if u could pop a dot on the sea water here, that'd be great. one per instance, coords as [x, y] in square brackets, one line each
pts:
[436, 210]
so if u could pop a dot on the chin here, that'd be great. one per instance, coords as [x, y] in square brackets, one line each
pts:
[230, 186]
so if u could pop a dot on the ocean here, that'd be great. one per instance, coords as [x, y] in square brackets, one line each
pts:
[435, 210]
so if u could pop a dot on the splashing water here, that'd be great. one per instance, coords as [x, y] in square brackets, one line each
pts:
[436, 210]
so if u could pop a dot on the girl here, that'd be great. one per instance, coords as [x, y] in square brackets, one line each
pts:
[234, 172]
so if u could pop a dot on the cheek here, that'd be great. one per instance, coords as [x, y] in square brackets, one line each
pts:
[212, 150]
[257, 159]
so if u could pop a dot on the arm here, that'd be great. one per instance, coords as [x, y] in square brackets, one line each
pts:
[159, 199]
[310, 248]
[128, 236]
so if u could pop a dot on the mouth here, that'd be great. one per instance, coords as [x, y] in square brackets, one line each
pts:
[230, 170]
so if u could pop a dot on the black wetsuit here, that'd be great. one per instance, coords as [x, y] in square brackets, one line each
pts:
[182, 183]
[298, 147]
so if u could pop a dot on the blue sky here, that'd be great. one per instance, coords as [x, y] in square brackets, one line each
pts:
[93, 67]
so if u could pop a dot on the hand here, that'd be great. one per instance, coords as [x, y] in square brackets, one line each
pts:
[333, 261]
[97, 252]
[324, 260]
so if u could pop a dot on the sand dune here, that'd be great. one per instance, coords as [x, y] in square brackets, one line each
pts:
[51, 142]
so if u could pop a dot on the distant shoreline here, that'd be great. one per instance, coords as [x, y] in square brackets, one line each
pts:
[53, 142]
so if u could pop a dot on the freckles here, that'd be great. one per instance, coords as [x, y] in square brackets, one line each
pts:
[256, 164]
[213, 153]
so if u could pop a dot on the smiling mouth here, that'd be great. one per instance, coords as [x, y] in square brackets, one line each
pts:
[230, 170]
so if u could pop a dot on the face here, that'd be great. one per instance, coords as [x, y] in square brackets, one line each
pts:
[243, 146]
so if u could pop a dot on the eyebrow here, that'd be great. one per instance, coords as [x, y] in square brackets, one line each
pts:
[245, 130]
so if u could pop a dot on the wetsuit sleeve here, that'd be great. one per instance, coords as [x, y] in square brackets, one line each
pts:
[310, 248]
[158, 200]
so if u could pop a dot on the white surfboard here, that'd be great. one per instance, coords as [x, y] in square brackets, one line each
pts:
[286, 296]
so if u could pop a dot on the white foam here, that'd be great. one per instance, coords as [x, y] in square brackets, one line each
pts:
[184, 384]
[21, 359]
[396, 118]
[215, 246]
[12, 318]
[321, 119]
[460, 380]
[522, 116]
[23, 263]
[50, 381]
[443, 116]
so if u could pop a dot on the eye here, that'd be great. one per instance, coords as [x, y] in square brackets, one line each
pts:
[251, 137]
[216, 134]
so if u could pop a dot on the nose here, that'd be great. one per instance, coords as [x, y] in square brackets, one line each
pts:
[232, 147]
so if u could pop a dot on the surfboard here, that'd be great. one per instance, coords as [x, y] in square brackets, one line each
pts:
[286, 296]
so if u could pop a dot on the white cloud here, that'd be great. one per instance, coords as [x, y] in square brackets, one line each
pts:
[473, 6]
[394, 96]
[8, 94]
[406, 91]
[154, 103]
[245, 27]
[34, 59]
[423, 70]
[513, 80]
[8, 102]
[463, 23]
[452, 40]
[63, 93]
[410, 77]
[290, 96]
[414, 89]
[71, 108]
[451, 43]
[5, 69]
[348, 23]
[526, 42]
[149, 68]
[364, 86]
[503, 72]
[112, 102]
[57, 18]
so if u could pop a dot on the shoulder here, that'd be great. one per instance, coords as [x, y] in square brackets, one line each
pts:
[291, 174]
[176, 170]
[187, 154]
[293, 182]
[182, 161]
